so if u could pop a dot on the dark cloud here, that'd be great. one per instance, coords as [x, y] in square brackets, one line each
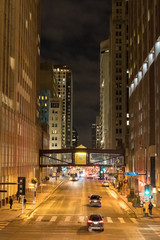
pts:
[71, 31]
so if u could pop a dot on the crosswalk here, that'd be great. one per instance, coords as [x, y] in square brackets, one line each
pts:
[3, 225]
[80, 219]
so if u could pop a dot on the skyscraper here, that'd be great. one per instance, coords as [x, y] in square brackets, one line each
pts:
[65, 91]
[20, 137]
[119, 74]
[105, 95]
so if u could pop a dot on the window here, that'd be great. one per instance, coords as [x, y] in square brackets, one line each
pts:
[52, 138]
[55, 144]
[54, 105]
[52, 124]
[118, 26]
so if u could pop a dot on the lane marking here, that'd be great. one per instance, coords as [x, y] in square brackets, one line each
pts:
[109, 220]
[133, 220]
[81, 218]
[121, 220]
[39, 218]
[67, 219]
[53, 219]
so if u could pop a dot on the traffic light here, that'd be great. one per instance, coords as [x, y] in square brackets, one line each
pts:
[101, 173]
[21, 185]
[147, 191]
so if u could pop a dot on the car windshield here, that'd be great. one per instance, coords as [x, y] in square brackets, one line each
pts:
[95, 197]
[95, 217]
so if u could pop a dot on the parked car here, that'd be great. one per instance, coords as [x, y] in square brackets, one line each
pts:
[95, 222]
[105, 184]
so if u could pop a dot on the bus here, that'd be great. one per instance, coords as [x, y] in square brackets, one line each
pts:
[74, 176]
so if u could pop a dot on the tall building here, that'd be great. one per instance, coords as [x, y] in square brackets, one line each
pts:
[105, 97]
[144, 99]
[44, 105]
[119, 74]
[75, 138]
[95, 134]
[55, 123]
[65, 91]
[20, 137]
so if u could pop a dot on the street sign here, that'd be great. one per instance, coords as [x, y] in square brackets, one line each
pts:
[131, 173]
[146, 198]
[3, 190]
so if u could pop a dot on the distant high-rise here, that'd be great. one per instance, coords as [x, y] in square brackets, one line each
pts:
[105, 97]
[55, 123]
[119, 74]
[20, 137]
[65, 91]
[75, 138]
[95, 134]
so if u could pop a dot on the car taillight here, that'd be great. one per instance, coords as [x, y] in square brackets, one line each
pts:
[89, 221]
[101, 221]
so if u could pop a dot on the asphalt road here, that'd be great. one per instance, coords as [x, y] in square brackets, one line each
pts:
[64, 216]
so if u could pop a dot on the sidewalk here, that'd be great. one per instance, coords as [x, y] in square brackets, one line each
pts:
[139, 210]
[42, 193]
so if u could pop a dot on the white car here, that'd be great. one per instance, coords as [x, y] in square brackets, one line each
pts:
[105, 184]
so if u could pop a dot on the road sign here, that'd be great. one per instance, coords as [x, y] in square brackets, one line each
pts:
[146, 198]
[3, 190]
[131, 173]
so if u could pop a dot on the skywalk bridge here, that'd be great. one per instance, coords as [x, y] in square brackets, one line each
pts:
[81, 156]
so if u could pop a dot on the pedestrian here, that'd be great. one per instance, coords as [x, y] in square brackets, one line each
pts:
[150, 206]
[17, 195]
[11, 203]
[144, 209]
[24, 202]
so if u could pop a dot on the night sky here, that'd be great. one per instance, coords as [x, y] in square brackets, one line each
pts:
[71, 32]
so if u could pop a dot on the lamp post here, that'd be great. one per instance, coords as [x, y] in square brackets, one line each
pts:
[145, 158]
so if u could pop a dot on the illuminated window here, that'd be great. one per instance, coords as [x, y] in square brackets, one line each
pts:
[46, 97]
[45, 104]
[42, 98]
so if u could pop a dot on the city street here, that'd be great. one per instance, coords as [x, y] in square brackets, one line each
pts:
[64, 216]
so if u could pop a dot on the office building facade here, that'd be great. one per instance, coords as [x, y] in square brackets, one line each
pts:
[105, 96]
[20, 136]
[65, 91]
[119, 74]
[144, 26]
